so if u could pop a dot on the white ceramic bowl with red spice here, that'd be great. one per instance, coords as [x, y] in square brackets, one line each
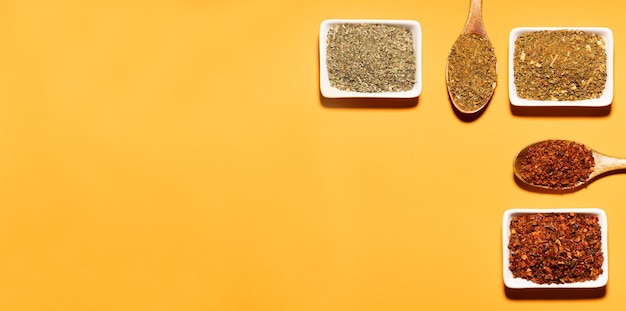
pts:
[520, 283]
[329, 91]
[607, 95]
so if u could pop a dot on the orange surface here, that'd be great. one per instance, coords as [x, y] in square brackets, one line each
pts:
[176, 155]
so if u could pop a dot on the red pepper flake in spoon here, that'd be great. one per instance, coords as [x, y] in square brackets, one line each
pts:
[557, 164]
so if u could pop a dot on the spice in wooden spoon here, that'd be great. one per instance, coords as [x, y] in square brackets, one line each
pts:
[471, 69]
[562, 164]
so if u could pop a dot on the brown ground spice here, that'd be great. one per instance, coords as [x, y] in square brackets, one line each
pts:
[555, 248]
[472, 71]
[561, 65]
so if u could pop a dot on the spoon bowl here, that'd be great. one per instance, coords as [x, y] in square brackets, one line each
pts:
[471, 97]
[602, 164]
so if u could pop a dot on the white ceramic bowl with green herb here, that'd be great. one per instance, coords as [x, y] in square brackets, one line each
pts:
[376, 72]
[533, 86]
[520, 283]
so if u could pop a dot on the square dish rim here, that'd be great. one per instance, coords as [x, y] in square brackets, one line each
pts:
[330, 92]
[605, 99]
[519, 283]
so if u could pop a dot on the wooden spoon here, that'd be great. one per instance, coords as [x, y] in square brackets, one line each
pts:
[602, 164]
[459, 89]
[474, 24]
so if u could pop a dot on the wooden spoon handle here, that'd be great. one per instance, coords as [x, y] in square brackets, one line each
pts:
[474, 24]
[605, 163]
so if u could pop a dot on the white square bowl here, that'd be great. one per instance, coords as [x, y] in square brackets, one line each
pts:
[519, 283]
[331, 92]
[604, 100]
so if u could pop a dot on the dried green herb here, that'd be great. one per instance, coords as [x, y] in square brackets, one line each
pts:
[472, 71]
[370, 58]
[560, 65]
[555, 248]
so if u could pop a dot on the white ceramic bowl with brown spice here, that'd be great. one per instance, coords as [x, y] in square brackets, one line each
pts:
[521, 283]
[524, 95]
[411, 90]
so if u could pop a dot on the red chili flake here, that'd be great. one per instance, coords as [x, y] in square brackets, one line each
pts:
[557, 164]
[555, 248]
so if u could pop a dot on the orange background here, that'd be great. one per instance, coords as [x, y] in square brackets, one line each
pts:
[177, 155]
